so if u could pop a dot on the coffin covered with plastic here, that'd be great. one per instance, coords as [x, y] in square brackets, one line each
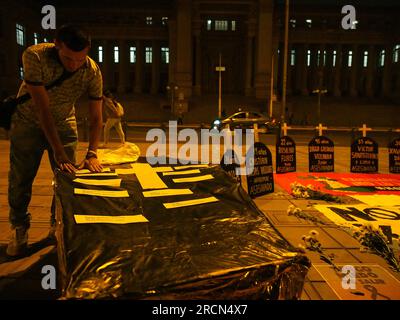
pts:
[171, 232]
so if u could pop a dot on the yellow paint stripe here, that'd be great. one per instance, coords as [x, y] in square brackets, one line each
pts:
[163, 169]
[81, 219]
[176, 173]
[191, 166]
[193, 179]
[124, 171]
[94, 182]
[166, 192]
[100, 174]
[102, 193]
[172, 205]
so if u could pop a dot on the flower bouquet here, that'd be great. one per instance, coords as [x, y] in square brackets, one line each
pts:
[297, 212]
[375, 241]
[309, 192]
[312, 243]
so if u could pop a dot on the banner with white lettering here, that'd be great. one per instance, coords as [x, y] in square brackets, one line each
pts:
[347, 215]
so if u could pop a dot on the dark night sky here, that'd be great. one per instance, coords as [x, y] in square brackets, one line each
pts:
[88, 3]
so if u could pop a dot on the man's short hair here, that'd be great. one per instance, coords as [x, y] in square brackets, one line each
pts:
[75, 38]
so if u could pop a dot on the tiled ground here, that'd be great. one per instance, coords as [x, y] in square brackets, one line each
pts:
[274, 206]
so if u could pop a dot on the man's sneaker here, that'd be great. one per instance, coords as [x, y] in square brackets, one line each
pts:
[18, 241]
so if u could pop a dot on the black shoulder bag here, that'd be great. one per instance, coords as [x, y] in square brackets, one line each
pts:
[9, 105]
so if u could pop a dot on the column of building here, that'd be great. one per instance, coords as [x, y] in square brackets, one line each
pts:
[107, 70]
[387, 71]
[354, 71]
[313, 68]
[275, 58]
[249, 56]
[138, 88]
[123, 67]
[12, 65]
[337, 92]
[322, 66]
[396, 72]
[371, 71]
[198, 67]
[172, 50]
[289, 90]
[155, 67]
[298, 67]
[263, 49]
[304, 71]
[183, 70]
[328, 69]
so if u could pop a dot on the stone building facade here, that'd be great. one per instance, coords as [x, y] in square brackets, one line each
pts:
[153, 47]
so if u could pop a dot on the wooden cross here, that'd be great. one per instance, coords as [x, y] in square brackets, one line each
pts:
[320, 128]
[364, 130]
[285, 129]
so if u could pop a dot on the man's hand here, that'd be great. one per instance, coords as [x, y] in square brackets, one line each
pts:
[93, 164]
[63, 162]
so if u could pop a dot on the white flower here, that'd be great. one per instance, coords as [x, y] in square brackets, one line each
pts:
[314, 233]
[297, 210]
[305, 194]
[290, 209]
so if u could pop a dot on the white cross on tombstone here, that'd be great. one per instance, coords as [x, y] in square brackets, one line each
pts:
[320, 128]
[364, 130]
[256, 133]
[285, 129]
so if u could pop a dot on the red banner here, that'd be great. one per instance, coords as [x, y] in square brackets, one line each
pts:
[343, 183]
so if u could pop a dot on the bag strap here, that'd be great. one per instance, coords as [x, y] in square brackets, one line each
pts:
[65, 75]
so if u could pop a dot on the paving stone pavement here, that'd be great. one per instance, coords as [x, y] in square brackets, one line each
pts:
[274, 206]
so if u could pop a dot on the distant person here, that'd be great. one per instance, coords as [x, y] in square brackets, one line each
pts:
[179, 112]
[114, 112]
[305, 120]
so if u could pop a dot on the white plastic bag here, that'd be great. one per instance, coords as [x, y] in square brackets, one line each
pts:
[127, 153]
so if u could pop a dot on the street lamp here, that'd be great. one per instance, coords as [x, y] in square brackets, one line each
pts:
[285, 58]
[172, 93]
[220, 69]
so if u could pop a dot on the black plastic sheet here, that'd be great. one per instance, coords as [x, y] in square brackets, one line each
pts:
[221, 250]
